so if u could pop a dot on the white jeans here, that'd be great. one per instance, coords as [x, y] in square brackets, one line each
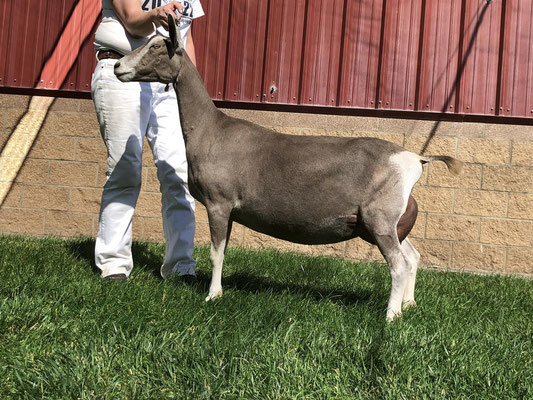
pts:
[126, 113]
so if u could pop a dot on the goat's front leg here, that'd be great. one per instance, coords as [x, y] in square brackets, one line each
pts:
[220, 228]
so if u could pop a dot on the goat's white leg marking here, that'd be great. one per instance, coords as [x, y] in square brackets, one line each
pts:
[217, 258]
[399, 276]
[220, 227]
[389, 245]
[413, 257]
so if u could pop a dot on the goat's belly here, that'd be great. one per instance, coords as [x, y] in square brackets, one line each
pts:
[321, 230]
[330, 230]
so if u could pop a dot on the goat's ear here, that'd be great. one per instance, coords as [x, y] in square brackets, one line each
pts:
[174, 33]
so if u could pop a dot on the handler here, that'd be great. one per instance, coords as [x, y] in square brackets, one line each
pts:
[127, 112]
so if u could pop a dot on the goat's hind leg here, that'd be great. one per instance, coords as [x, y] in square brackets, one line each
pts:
[380, 224]
[412, 257]
[220, 228]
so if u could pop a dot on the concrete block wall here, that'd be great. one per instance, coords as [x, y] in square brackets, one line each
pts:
[481, 221]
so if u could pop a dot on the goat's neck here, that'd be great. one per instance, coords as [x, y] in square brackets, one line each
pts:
[195, 105]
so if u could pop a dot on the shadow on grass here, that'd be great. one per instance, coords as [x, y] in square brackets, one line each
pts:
[143, 254]
[147, 258]
[248, 282]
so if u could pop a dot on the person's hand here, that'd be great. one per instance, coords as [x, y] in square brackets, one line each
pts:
[170, 8]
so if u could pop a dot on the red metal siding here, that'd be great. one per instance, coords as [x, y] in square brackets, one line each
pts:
[24, 54]
[210, 34]
[59, 12]
[480, 57]
[440, 55]
[246, 50]
[321, 58]
[283, 56]
[362, 36]
[517, 67]
[451, 56]
[5, 19]
[400, 55]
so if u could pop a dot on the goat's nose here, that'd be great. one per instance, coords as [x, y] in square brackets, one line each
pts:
[117, 64]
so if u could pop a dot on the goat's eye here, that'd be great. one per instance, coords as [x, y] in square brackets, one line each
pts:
[155, 46]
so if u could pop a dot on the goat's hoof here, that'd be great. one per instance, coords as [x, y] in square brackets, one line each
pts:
[408, 304]
[391, 315]
[214, 296]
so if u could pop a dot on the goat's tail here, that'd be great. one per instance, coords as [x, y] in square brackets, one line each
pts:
[454, 166]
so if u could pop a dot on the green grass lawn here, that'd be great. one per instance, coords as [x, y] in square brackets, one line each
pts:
[288, 327]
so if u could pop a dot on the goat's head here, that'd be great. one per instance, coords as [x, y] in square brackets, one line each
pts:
[156, 61]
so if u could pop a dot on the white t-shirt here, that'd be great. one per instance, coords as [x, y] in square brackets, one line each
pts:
[111, 34]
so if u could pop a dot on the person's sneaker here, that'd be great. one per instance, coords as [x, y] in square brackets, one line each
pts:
[116, 277]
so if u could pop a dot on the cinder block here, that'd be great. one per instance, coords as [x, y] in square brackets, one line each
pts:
[91, 150]
[296, 120]
[101, 175]
[20, 221]
[33, 171]
[359, 250]
[442, 128]
[150, 181]
[514, 179]
[482, 203]
[14, 101]
[263, 118]
[288, 131]
[73, 173]
[237, 234]
[148, 205]
[505, 231]
[201, 235]
[325, 132]
[419, 229]
[200, 213]
[70, 124]
[433, 252]
[65, 104]
[520, 260]
[10, 119]
[471, 130]
[452, 227]
[352, 123]
[413, 127]
[396, 138]
[521, 205]
[433, 199]
[435, 146]
[87, 106]
[485, 151]
[65, 224]
[137, 227]
[523, 153]
[152, 228]
[510, 132]
[148, 157]
[85, 200]
[53, 148]
[13, 195]
[47, 197]
[476, 256]
[438, 175]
